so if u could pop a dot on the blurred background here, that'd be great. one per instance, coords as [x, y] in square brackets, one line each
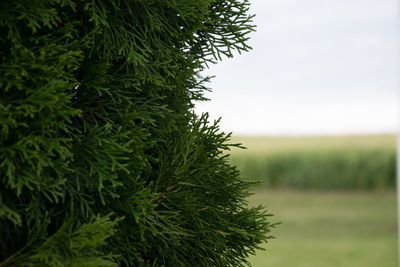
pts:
[316, 104]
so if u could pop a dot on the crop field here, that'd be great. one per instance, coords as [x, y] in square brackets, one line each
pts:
[333, 162]
[334, 196]
[329, 229]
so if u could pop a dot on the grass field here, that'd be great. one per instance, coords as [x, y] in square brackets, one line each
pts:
[332, 162]
[272, 144]
[351, 222]
[329, 229]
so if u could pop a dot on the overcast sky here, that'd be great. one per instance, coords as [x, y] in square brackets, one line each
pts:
[317, 67]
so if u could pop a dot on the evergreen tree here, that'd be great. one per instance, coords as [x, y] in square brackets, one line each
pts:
[102, 161]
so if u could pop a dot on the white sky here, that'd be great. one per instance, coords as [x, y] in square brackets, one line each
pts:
[317, 67]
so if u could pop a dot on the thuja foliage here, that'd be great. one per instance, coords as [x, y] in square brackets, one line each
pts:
[102, 161]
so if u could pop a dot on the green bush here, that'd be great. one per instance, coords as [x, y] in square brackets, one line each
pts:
[102, 160]
[351, 168]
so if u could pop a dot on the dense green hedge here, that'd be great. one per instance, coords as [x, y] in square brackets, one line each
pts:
[102, 161]
[349, 168]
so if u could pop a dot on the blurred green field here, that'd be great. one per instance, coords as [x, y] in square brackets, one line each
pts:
[329, 229]
[331, 162]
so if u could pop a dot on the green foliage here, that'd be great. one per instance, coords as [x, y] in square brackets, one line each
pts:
[363, 163]
[70, 246]
[102, 161]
